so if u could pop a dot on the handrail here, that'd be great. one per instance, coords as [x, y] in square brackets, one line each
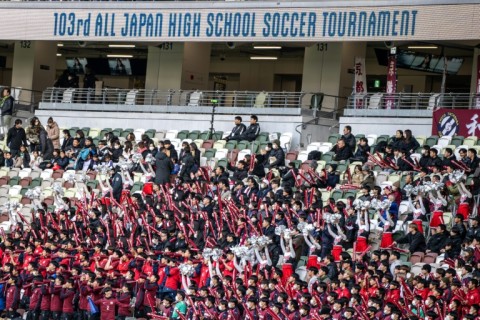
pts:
[428, 101]
[190, 98]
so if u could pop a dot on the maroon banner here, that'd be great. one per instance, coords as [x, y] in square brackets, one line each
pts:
[391, 82]
[451, 122]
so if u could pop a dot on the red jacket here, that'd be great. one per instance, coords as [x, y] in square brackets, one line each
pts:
[55, 300]
[84, 293]
[46, 298]
[107, 307]
[173, 278]
[35, 299]
[393, 295]
[150, 293]
[124, 306]
[12, 297]
[67, 296]
[473, 297]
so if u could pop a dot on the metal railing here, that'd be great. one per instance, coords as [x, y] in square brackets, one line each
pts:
[25, 99]
[256, 99]
[428, 101]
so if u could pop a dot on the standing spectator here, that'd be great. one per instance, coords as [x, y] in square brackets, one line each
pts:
[7, 105]
[67, 140]
[33, 134]
[164, 166]
[170, 151]
[238, 130]
[89, 79]
[53, 132]
[16, 137]
[349, 138]
[46, 145]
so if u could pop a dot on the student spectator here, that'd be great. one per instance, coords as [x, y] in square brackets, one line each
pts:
[238, 130]
[16, 137]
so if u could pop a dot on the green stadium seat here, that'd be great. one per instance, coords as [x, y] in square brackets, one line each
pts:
[182, 135]
[457, 140]
[231, 145]
[151, 133]
[194, 135]
[431, 141]
[36, 182]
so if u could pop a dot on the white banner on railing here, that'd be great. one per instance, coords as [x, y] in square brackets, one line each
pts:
[221, 22]
[360, 82]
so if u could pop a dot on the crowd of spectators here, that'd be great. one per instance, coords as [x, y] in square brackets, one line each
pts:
[251, 240]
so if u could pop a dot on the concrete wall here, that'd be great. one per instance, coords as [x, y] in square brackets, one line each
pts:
[167, 121]
[384, 125]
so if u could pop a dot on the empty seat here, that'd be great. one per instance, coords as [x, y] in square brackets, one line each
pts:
[171, 134]
[242, 154]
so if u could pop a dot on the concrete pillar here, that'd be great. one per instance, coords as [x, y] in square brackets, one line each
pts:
[182, 66]
[164, 67]
[325, 69]
[473, 81]
[34, 66]
[196, 66]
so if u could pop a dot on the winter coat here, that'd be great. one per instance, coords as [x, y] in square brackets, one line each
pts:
[163, 166]
[53, 132]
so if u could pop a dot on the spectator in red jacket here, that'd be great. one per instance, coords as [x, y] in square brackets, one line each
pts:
[151, 288]
[36, 298]
[56, 304]
[12, 297]
[108, 304]
[67, 295]
[124, 298]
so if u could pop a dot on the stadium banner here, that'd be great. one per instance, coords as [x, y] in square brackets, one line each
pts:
[360, 82]
[451, 122]
[391, 82]
[219, 22]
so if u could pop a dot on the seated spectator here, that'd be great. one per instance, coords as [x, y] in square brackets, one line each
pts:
[238, 130]
[276, 157]
[410, 144]
[415, 239]
[363, 149]
[252, 132]
[342, 151]
[438, 240]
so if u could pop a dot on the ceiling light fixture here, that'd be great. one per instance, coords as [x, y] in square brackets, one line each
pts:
[121, 46]
[59, 44]
[119, 56]
[59, 54]
[422, 47]
[263, 58]
[267, 47]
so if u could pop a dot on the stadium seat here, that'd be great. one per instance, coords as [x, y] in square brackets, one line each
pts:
[312, 147]
[302, 156]
[24, 182]
[444, 141]
[421, 140]
[470, 141]
[222, 162]
[171, 134]
[336, 195]
[457, 140]
[333, 138]
[207, 144]
[205, 135]
[14, 181]
[151, 133]
[14, 190]
[372, 139]
[217, 135]
[328, 156]
[242, 145]
[221, 153]
[431, 141]
[220, 144]
[286, 140]
[381, 177]
[243, 153]
[94, 132]
[263, 137]
[194, 135]
[292, 155]
[210, 153]
[231, 145]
